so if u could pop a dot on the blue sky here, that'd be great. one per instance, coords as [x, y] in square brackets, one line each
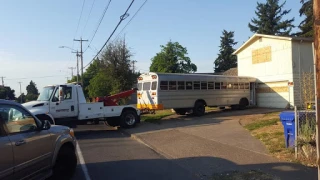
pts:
[31, 32]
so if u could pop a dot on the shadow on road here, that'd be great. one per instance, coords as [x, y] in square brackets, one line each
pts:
[191, 168]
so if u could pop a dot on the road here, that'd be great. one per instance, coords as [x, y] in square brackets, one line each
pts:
[110, 154]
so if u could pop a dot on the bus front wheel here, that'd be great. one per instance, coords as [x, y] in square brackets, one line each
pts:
[199, 109]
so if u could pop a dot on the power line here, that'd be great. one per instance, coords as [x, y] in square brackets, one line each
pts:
[35, 77]
[85, 25]
[130, 20]
[103, 14]
[122, 17]
[79, 18]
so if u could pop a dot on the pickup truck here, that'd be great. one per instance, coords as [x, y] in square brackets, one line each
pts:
[66, 102]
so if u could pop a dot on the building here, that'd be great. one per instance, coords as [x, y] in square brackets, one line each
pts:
[278, 63]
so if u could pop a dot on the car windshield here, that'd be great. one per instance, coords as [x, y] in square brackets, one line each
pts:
[46, 93]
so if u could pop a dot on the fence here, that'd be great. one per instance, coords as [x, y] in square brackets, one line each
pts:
[306, 134]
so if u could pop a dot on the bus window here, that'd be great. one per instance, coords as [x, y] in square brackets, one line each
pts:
[172, 85]
[196, 85]
[223, 85]
[189, 85]
[217, 85]
[181, 85]
[154, 85]
[146, 86]
[164, 85]
[246, 86]
[230, 85]
[235, 85]
[210, 85]
[139, 86]
[241, 85]
[204, 85]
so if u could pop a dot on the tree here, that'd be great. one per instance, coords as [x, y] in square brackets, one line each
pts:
[306, 25]
[269, 19]
[172, 59]
[225, 59]
[32, 92]
[115, 74]
[7, 93]
[18, 99]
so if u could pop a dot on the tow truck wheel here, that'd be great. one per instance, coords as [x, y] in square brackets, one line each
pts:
[128, 119]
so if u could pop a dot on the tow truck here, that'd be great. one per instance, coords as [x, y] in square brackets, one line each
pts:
[66, 102]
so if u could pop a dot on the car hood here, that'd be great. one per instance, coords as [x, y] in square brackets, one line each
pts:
[33, 104]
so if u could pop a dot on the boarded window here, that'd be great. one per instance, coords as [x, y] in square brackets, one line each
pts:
[164, 85]
[210, 85]
[217, 85]
[154, 85]
[146, 86]
[181, 85]
[204, 85]
[172, 85]
[189, 85]
[196, 85]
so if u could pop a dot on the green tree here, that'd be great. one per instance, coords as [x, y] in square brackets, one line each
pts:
[172, 59]
[306, 25]
[32, 91]
[115, 74]
[225, 59]
[7, 93]
[269, 19]
[18, 99]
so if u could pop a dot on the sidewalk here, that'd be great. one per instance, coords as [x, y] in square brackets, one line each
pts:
[210, 145]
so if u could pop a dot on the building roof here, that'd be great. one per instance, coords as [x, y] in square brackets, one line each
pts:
[231, 72]
[258, 36]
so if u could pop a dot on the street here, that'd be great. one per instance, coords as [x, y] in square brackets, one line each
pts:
[110, 154]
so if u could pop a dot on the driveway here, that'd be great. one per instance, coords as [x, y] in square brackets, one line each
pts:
[215, 143]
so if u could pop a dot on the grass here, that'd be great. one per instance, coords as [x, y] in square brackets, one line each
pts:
[155, 118]
[260, 124]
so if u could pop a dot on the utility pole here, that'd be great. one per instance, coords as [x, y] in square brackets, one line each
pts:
[133, 67]
[316, 27]
[2, 80]
[20, 92]
[81, 54]
[72, 68]
[77, 54]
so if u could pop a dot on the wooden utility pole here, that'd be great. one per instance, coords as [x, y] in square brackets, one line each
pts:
[20, 92]
[2, 80]
[81, 55]
[316, 28]
[71, 68]
[77, 54]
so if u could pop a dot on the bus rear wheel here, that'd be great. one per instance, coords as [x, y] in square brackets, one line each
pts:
[244, 102]
[199, 109]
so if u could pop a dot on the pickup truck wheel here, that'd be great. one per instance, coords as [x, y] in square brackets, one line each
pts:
[66, 163]
[128, 119]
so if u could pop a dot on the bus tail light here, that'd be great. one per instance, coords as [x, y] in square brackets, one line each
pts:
[154, 77]
[140, 78]
[154, 93]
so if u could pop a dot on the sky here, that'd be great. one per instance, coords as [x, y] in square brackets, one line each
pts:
[31, 33]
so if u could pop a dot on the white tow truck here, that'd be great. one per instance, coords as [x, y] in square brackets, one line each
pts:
[61, 103]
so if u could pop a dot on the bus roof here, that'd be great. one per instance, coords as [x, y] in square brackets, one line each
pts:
[194, 76]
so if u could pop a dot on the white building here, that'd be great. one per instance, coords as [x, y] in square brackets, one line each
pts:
[277, 62]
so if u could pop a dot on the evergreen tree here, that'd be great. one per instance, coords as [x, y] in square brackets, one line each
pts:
[306, 25]
[32, 92]
[269, 19]
[172, 59]
[7, 93]
[225, 59]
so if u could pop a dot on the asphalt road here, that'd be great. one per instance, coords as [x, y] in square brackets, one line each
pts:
[110, 154]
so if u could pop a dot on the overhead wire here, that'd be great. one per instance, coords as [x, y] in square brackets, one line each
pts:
[130, 20]
[122, 17]
[85, 25]
[101, 18]
[34, 77]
